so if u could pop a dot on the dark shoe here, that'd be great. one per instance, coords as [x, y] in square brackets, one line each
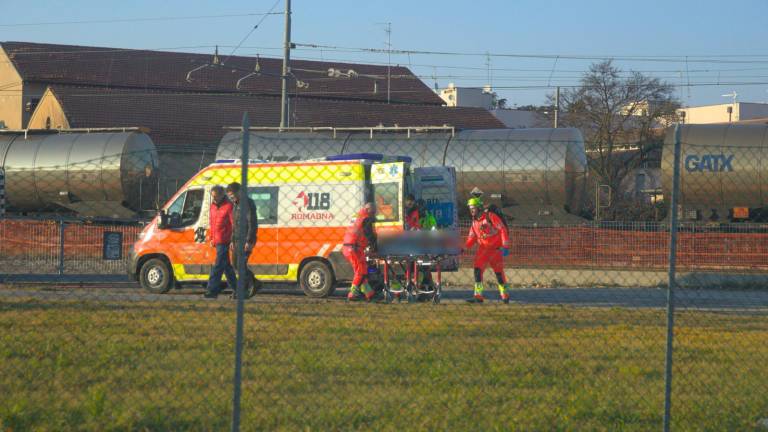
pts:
[210, 295]
[505, 298]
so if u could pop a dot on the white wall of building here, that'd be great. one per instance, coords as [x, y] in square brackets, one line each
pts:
[719, 113]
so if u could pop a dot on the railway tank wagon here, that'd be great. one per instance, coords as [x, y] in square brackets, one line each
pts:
[723, 172]
[535, 175]
[99, 174]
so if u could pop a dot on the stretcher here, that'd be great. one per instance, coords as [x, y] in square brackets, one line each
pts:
[397, 264]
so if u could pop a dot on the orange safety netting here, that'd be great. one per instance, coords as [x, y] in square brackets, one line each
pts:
[539, 247]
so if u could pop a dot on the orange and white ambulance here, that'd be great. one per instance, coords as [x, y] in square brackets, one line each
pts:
[303, 209]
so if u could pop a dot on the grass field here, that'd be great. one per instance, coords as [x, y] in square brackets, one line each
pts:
[68, 365]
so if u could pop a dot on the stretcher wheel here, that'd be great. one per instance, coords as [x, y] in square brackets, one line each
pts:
[410, 293]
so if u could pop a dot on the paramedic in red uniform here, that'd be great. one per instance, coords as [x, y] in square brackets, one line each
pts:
[359, 236]
[490, 234]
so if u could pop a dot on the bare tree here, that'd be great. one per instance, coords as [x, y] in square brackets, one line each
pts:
[615, 112]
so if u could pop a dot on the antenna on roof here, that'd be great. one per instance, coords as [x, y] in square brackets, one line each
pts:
[732, 94]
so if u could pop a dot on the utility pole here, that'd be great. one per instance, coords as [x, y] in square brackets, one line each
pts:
[286, 59]
[557, 104]
[389, 58]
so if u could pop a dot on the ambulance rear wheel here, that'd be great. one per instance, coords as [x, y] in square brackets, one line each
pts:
[316, 279]
[155, 276]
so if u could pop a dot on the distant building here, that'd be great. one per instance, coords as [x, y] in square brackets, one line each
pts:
[27, 69]
[723, 113]
[467, 97]
[485, 98]
[519, 119]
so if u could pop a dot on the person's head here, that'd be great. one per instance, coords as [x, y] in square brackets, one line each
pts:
[475, 207]
[217, 194]
[410, 200]
[233, 192]
[368, 210]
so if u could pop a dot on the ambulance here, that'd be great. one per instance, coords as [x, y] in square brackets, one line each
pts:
[303, 210]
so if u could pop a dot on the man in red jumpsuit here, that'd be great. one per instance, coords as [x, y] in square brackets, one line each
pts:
[490, 234]
[359, 236]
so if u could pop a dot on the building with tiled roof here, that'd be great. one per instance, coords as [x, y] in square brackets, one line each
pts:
[26, 69]
[177, 119]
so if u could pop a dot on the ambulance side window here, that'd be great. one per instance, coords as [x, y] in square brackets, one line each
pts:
[386, 199]
[185, 210]
[177, 205]
[265, 199]
[192, 206]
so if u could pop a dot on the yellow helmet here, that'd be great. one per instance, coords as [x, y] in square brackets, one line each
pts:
[475, 202]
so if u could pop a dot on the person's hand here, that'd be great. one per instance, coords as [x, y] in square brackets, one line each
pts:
[248, 247]
[211, 242]
[504, 251]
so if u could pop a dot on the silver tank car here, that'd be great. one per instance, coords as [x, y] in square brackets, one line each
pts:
[723, 172]
[536, 175]
[92, 174]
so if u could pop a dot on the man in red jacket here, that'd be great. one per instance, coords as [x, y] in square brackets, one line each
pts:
[357, 238]
[220, 235]
[490, 234]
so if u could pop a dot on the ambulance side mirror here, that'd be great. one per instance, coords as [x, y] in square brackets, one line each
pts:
[162, 222]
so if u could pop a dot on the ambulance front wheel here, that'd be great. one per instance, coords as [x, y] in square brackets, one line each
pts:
[316, 279]
[155, 276]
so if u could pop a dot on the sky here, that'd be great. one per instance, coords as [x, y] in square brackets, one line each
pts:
[523, 48]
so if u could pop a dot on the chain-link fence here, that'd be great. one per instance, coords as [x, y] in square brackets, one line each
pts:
[360, 304]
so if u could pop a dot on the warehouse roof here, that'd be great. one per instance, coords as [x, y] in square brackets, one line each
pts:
[163, 70]
[198, 118]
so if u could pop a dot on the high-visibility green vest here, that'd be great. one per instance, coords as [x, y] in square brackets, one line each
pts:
[427, 221]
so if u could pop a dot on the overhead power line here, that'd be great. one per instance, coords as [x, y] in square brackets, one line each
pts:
[657, 58]
[264, 16]
[129, 20]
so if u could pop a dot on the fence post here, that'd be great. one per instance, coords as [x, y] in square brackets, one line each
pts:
[242, 273]
[62, 228]
[671, 282]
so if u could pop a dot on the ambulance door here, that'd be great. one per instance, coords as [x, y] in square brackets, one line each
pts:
[182, 240]
[437, 187]
[264, 261]
[388, 185]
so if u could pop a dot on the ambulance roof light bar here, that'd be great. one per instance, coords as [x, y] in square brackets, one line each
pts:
[369, 156]
[229, 161]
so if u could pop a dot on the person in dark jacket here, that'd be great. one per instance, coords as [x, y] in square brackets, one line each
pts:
[251, 228]
[220, 236]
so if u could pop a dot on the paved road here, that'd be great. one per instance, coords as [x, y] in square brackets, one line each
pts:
[741, 300]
